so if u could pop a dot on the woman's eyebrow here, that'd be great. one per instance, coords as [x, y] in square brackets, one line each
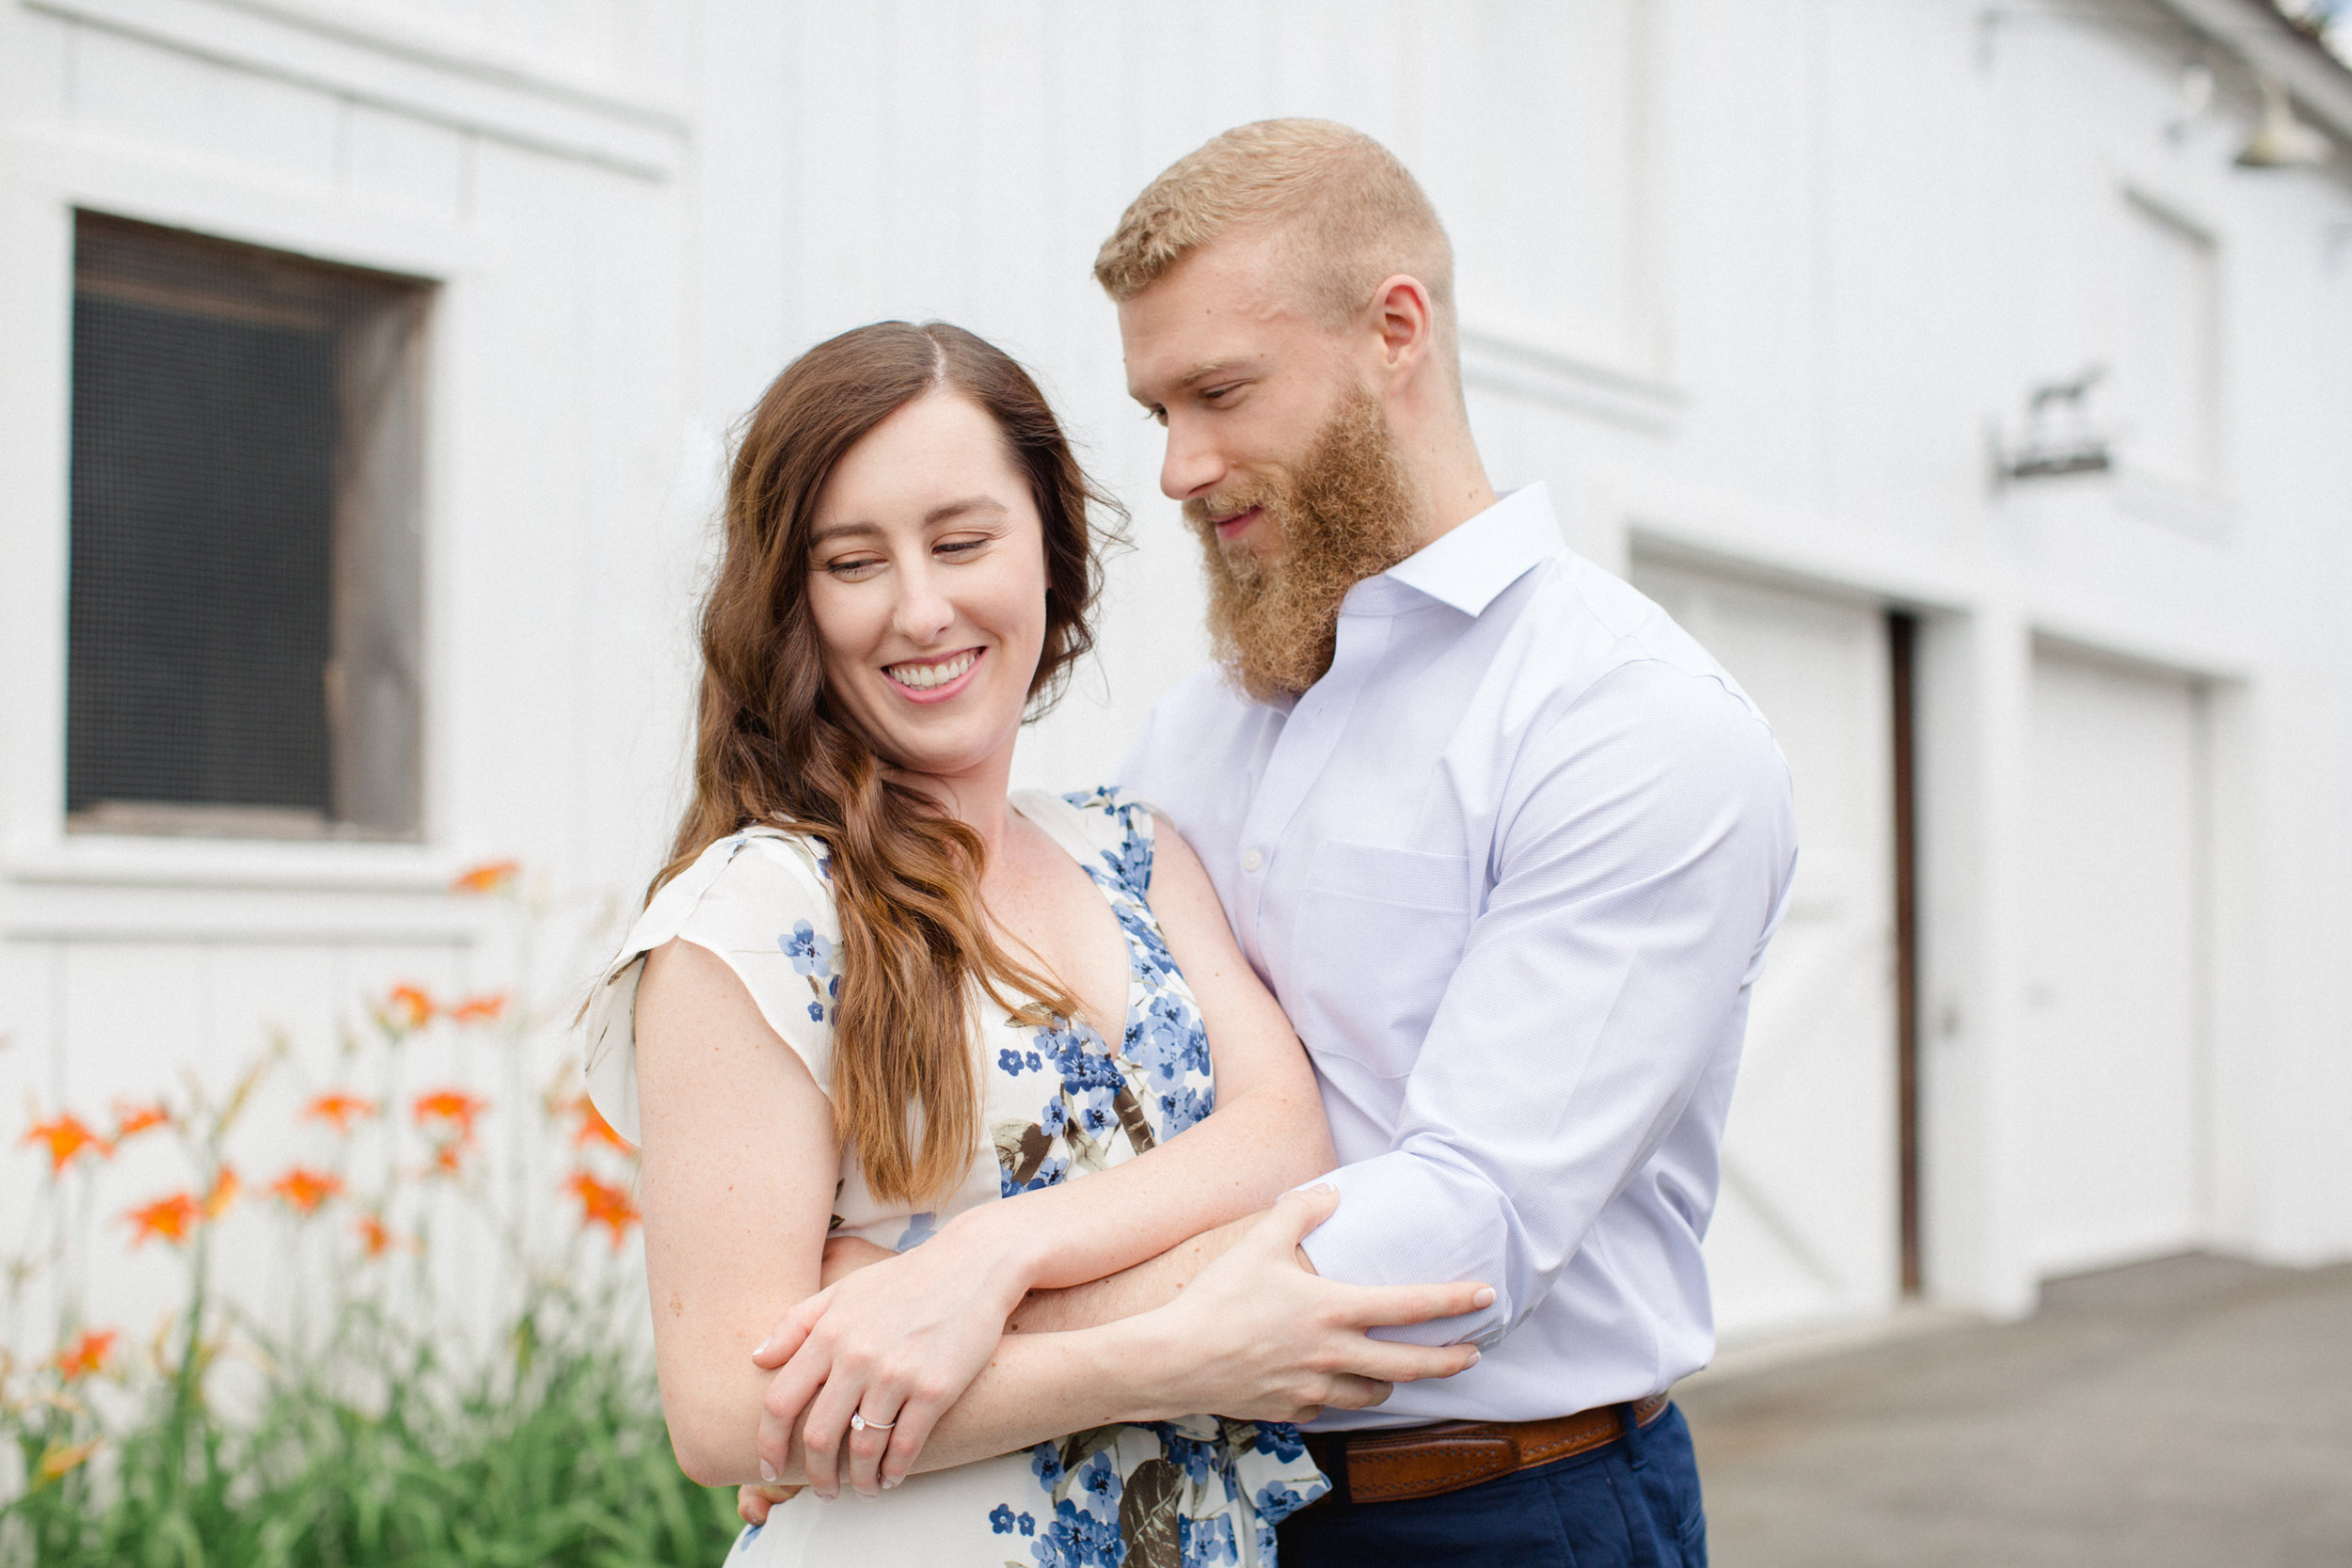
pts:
[841, 531]
[958, 508]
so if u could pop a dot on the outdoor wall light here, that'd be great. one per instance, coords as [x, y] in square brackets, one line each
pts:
[2280, 140]
[2059, 437]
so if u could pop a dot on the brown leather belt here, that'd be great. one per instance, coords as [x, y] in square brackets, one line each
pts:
[1402, 1463]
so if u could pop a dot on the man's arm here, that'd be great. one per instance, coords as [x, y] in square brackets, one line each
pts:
[1643, 852]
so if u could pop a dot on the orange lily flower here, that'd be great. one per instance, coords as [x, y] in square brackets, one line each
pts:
[59, 1458]
[407, 1008]
[489, 877]
[302, 1189]
[69, 1138]
[338, 1108]
[455, 1108]
[378, 1237]
[174, 1218]
[88, 1354]
[594, 1129]
[479, 1009]
[131, 1120]
[601, 1203]
[224, 1189]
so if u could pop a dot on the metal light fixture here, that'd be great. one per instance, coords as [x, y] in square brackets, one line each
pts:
[2279, 139]
[2059, 436]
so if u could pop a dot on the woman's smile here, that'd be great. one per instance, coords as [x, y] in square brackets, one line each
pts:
[935, 680]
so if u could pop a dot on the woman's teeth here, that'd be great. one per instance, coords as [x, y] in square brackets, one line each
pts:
[922, 677]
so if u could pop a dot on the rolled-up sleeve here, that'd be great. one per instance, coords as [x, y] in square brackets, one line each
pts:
[1641, 857]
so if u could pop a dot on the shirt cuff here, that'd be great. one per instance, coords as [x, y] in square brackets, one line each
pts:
[1403, 1221]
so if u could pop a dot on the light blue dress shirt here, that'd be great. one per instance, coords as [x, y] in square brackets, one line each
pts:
[1511, 866]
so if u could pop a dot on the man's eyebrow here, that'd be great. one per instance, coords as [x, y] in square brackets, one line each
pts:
[1214, 367]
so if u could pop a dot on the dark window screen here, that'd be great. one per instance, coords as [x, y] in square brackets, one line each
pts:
[243, 538]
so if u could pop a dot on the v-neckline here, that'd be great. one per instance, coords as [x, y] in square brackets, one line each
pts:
[1050, 820]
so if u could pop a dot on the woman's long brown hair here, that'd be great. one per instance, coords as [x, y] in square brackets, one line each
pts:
[773, 746]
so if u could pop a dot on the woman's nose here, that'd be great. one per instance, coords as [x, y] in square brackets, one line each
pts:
[923, 612]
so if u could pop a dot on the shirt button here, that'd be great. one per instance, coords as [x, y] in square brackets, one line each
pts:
[1251, 860]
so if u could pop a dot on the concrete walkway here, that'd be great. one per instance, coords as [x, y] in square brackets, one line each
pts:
[2194, 1412]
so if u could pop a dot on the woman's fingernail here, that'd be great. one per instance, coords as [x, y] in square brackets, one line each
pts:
[767, 1472]
[1485, 1296]
[1473, 1360]
[761, 1349]
[889, 1482]
[1323, 1187]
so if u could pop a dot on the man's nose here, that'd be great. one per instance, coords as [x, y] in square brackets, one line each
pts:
[1192, 467]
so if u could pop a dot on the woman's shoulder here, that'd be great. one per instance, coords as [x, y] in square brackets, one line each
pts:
[1107, 829]
[761, 901]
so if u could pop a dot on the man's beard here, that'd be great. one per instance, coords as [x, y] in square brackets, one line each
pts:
[1346, 513]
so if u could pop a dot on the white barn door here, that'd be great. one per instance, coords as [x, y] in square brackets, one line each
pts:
[2114, 1038]
[1806, 1232]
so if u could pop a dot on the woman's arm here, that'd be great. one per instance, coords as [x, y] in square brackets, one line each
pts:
[736, 1174]
[901, 1340]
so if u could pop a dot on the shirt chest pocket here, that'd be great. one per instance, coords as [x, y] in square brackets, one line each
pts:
[1380, 931]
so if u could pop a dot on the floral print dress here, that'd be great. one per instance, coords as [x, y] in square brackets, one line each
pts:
[1059, 1103]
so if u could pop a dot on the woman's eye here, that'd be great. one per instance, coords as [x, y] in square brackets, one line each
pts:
[959, 548]
[854, 568]
[1214, 393]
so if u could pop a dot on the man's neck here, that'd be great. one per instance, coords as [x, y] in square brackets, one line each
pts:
[1453, 487]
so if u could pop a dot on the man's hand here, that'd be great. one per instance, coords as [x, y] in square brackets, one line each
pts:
[1259, 1335]
[752, 1503]
[894, 1338]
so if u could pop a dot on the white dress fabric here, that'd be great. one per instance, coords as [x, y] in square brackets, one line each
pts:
[1057, 1104]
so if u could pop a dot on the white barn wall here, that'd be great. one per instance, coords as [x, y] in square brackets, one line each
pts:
[1744, 283]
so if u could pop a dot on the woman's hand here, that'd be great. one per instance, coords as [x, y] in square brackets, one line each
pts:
[844, 1257]
[1258, 1334]
[895, 1339]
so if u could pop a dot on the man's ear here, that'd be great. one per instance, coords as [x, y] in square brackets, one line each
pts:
[1406, 320]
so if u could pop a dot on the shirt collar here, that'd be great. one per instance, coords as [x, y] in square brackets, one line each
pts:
[1470, 563]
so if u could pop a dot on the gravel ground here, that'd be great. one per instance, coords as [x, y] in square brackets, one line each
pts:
[2195, 1411]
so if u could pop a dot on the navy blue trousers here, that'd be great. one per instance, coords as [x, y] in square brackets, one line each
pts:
[1630, 1505]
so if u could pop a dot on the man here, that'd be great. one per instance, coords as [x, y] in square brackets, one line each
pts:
[1505, 841]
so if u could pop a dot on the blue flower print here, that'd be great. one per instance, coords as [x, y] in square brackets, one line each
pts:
[1206, 1540]
[1099, 1476]
[1011, 1061]
[1095, 1118]
[1053, 1118]
[1279, 1439]
[920, 1228]
[1045, 1462]
[1027, 1523]
[810, 953]
[1186, 1107]
[1000, 1519]
[1036, 1062]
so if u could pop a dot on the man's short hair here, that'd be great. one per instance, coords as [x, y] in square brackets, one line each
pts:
[1349, 213]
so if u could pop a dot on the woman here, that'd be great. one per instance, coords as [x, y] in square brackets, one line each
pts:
[877, 999]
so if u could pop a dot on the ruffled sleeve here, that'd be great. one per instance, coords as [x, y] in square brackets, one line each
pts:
[760, 901]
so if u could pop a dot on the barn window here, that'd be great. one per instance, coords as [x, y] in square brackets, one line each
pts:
[244, 602]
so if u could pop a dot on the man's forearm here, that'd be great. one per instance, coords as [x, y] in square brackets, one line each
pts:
[1154, 1282]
